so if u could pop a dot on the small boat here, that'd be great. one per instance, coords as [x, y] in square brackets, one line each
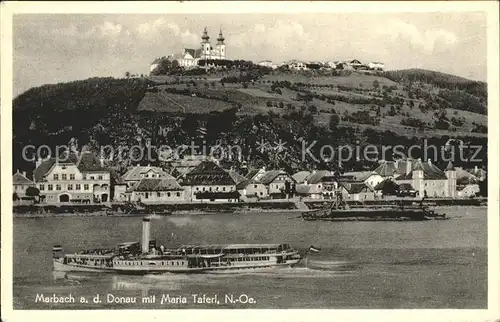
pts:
[147, 258]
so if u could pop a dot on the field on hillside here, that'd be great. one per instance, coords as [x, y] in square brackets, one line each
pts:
[351, 94]
[353, 80]
[175, 103]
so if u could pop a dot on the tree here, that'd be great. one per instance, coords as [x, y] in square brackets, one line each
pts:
[334, 121]
[376, 84]
[32, 192]
[269, 104]
[313, 109]
[127, 74]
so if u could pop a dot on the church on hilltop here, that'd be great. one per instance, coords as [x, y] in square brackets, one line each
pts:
[189, 57]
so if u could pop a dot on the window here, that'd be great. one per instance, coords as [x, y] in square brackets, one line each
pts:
[64, 176]
[86, 187]
[197, 188]
[223, 188]
[91, 177]
[56, 176]
[71, 176]
[158, 194]
[168, 194]
[147, 195]
[78, 186]
[210, 188]
[70, 187]
[58, 187]
[178, 194]
[203, 189]
[255, 186]
[42, 187]
[147, 175]
[100, 178]
[84, 176]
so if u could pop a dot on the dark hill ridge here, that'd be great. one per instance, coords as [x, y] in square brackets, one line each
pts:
[101, 111]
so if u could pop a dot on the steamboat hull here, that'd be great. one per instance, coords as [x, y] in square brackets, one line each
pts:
[146, 269]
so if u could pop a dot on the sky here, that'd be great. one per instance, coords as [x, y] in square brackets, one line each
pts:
[53, 48]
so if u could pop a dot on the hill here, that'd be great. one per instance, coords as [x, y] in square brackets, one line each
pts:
[388, 107]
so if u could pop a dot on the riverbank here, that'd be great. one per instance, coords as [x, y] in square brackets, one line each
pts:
[198, 212]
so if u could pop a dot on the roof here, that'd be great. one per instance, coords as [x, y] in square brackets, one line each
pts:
[158, 184]
[19, 178]
[252, 173]
[387, 169]
[301, 176]
[136, 173]
[269, 176]
[357, 176]
[242, 184]
[88, 162]
[43, 168]
[85, 162]
[406, 187]
[431, 172]
[306, 189]
[196, 53]
[316, 176]
[236, 176]
[353, 188]
[208, 173]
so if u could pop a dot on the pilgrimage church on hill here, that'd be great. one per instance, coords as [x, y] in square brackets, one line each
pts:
[190, 57]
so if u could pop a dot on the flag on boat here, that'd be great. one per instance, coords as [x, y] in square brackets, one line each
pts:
[314, 249]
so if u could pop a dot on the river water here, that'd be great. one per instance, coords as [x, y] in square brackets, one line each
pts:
[430, 264]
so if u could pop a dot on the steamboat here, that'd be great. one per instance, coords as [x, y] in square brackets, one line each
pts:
[146, 258]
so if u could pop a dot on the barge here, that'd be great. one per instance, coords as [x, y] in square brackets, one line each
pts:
[146, 257]
[340, 211]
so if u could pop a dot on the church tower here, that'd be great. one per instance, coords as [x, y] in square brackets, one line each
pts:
[418, 178]
[205, 45]
[451, 182]
[221, 46]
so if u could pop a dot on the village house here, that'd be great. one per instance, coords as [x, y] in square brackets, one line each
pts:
[73, 177]
[135, 174]
[267, 63]
[467, 183]
[311, 186]
[370, 178]
[21, 183]
[208, 182]
[355, 64]
[428, 180]
[356, 191]
[276, 182]
[376, 66]
[157, 190]
[297, 65]
[267, 184]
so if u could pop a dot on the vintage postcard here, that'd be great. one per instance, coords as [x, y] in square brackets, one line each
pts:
[293, 161]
